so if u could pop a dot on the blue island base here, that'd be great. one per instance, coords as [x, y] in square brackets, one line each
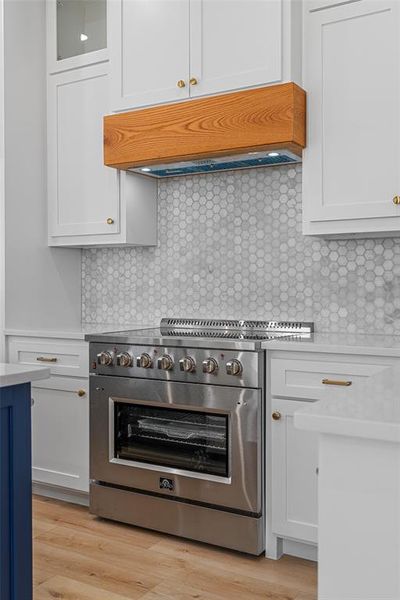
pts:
[15, 493]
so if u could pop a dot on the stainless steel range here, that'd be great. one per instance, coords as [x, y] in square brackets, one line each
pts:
[177, 428]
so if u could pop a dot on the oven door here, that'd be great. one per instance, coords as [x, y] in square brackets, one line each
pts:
[200, 443]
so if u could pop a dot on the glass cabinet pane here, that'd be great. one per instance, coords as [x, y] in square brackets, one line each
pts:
[81, 27]
[190, 440]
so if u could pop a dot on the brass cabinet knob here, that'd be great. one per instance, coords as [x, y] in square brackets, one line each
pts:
[110, 221]
[193, 81]
[81, 393]
[181, 83]
[276, 415]
[396, 200]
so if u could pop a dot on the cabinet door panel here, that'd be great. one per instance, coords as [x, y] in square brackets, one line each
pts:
[352, 76]
[234, 44]
[82, 192]
[294, 475]
[60, 433]
[149, 46]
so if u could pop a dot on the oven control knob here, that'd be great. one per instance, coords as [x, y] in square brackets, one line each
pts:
[124, 359]
[234, 367]
[105, 359]
[165, 362]
[144, 361]
[210, 365]
[187, 364]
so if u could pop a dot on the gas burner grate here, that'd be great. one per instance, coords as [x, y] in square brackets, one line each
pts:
[228, 328]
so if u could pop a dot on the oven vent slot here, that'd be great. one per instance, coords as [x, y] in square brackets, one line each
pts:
[230, 325]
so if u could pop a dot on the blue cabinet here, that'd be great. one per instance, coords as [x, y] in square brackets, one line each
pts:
[15, 493]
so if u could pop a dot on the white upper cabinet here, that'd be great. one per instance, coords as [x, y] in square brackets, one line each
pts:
[167, 51]
[149, 49]
[77, 33]
[84, 193]
[234, 44]
[89, 204]
[351, 166]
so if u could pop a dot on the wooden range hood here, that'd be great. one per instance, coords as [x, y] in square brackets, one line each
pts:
[236, 130]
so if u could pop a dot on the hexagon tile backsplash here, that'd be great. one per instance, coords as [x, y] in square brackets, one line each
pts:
[230, 245]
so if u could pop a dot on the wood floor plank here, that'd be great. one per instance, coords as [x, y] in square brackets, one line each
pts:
[41, 574]
[40, 527]
[54, 512]
[290, 571]
[64, 588]
[114, 552]
[233, 587]
[93, 572]
[79, 557]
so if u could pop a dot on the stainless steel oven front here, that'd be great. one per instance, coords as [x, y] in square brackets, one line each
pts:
[195, 443]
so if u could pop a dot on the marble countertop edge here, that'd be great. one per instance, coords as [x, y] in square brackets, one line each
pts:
[11, 374]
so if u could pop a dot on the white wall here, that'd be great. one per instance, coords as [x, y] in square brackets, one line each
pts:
[43, 285]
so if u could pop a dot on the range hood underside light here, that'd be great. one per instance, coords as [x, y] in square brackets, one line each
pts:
[249, 160]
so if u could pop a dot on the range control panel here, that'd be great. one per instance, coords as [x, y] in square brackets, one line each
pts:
[194, 365]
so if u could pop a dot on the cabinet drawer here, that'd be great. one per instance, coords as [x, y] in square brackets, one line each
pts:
[63, 357]
[296, 378]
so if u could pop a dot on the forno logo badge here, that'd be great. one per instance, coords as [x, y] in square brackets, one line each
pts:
[166, 484]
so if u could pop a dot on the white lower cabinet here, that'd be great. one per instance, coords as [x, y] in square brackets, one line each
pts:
[60, 411]
[60, 433]
[296, 379]
[294, 475]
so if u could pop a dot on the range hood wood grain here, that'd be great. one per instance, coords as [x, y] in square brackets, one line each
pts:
[259, 119]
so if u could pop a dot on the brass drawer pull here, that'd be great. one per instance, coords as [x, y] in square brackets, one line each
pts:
[396, 200]
[48, 359]
[181, 84]
[81, 393]
[336, 382]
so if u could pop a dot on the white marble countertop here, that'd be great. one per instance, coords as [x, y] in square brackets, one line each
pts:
[369, 410]
[74, 334]
[16, 374]
[341, 343]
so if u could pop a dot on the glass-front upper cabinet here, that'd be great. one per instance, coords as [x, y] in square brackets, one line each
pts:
[77, 33]
[81, 27]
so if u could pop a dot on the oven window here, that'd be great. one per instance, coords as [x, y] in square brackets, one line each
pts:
[183, 439]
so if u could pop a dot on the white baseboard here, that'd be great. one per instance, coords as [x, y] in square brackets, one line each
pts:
[60, 493]
[300, 549]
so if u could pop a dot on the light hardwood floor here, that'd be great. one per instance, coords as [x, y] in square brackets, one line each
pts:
[79, 557]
